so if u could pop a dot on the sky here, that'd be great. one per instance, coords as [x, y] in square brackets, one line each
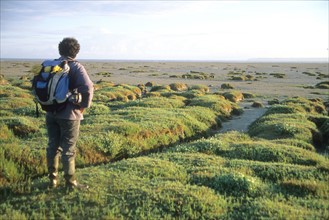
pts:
[167, 30]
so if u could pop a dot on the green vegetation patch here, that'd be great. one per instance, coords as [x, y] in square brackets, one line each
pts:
[198, 75]
[217, 103]
[233, 96]
[9, 91]
[323, 85]
[278, 171]
[234, 184]
[118, 194]
[250, 149]
[278, 75]
[120, 92]
[179, 183]
[146, 167]
[157, 102]
[178, 86]
[280, 208]
[226, 86]
[104, 74]
[202, 88]
[294, 118]
[16, 101]
[281, 126]
[21, 126]
[315, 106]
[308, 73]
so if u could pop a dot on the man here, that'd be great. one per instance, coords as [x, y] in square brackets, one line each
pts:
[63, 126]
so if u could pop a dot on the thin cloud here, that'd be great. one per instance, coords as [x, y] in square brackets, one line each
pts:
[172, 29]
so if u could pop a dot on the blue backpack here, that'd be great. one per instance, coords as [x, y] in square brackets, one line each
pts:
[51, 86]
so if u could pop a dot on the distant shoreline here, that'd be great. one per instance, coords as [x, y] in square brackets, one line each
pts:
[254, 60]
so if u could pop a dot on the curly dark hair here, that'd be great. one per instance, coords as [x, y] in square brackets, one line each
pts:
[69, 47]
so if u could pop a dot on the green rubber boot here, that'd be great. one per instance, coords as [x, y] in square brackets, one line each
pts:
[69, 175]
[53, 164]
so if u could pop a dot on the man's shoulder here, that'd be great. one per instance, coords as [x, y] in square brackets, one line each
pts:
[74, 62]
[75, 65]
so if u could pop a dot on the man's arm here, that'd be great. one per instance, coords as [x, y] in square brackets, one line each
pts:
[84, 85]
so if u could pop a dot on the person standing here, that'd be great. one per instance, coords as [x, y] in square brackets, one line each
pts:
[63, 126]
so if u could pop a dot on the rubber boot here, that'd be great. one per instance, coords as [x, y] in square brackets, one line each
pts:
[53, 164]
[75, 185]
[69, 175]
[69, 168]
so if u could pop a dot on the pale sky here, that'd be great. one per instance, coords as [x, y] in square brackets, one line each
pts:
[166, 30]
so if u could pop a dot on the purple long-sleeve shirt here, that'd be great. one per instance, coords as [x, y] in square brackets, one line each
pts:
[79, 80]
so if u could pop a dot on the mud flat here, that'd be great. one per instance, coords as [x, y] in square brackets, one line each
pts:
[266, 80]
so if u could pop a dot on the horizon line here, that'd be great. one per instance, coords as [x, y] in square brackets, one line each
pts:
[321, 60]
